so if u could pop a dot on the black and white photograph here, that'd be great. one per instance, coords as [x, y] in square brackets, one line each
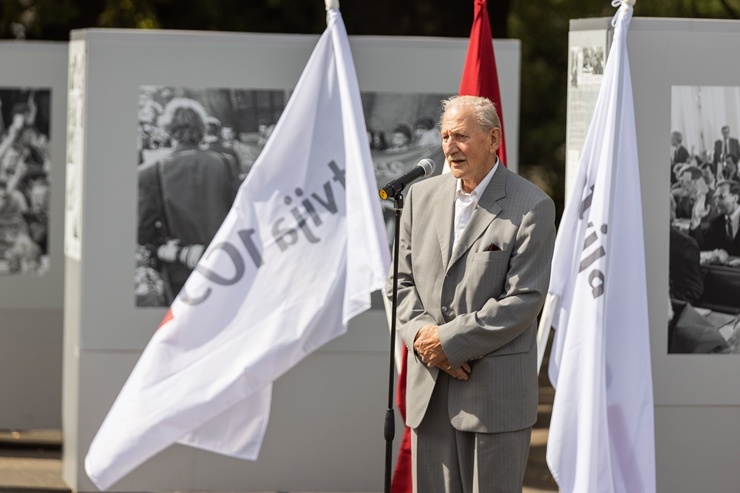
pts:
[586, 59]
[704, 266]
[402, 129]
[196, 146]
[24, 181]
[586, 65]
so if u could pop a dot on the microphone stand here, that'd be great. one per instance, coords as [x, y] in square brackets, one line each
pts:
[390, 420]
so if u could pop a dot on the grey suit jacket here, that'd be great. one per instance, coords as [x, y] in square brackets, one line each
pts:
[484, 296]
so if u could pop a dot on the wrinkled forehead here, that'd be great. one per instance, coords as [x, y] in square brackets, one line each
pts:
[458, 119]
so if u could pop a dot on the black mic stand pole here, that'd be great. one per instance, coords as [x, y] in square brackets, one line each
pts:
[390, 420]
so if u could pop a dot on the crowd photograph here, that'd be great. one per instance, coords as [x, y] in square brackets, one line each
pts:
[24, 181]
[196, 146]
[704, 279]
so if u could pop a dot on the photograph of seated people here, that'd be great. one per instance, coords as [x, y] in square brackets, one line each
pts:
[402, 129]
[705, 219]
[704, 263]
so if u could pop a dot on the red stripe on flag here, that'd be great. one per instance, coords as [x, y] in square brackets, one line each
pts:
[480, 77]
[402, 474]
[167, 317]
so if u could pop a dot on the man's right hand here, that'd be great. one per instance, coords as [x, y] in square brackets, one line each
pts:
[459, 373]
[699, 211]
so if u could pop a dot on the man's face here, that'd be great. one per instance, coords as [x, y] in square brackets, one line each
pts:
[726, 132]
[399, 139]
[470, 151]
[38, 196]
[674, 140]
[227, 134]
[685, 178]
[726, 202]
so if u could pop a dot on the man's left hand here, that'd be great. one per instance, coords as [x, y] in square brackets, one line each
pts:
[428, 346]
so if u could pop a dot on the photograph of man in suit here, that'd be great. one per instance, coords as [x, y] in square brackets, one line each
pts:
[679, 153]
[724, 146]
[474, 265]
[722, 231]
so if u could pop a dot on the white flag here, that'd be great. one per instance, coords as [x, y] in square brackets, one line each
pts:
[297, 257]
[601, 437]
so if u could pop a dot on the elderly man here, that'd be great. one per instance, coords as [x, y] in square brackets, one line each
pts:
[474, 266]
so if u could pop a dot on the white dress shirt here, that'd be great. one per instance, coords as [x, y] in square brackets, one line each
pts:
[465, 203]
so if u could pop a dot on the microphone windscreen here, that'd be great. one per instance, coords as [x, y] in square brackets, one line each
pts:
[427, 165]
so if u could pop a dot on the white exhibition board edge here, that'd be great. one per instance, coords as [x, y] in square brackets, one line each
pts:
[41, 65]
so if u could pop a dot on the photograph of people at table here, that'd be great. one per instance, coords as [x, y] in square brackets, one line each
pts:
[704, 265]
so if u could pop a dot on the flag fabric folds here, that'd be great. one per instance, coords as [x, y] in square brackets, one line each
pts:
[601, 437]
[479, 78]
[296, 258]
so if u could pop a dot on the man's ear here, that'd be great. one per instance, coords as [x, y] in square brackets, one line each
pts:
[495, 139]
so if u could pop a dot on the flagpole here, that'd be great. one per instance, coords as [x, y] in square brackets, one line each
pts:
[543, 331]
[602, 429]
[389, 430]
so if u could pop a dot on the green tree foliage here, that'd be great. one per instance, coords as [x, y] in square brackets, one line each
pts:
[39, 19]
[542, 26]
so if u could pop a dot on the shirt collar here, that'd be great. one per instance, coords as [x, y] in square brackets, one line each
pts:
[735, 215]
[481, 186]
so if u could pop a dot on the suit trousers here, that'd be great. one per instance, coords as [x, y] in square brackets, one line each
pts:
[452, 461]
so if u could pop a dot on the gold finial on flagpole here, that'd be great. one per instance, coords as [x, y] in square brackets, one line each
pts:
[332, 4]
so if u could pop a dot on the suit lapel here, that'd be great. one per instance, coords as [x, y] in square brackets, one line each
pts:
[444, 211]
[488, 208]
[735, 243]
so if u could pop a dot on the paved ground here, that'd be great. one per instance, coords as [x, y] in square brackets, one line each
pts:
[30, 461]
[537, 477]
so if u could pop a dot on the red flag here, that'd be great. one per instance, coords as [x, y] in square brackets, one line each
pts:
[479, 78]
[401, 481]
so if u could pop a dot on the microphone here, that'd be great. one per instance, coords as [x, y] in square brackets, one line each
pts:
[425, 167]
